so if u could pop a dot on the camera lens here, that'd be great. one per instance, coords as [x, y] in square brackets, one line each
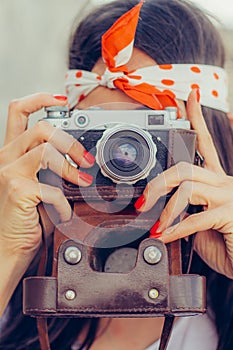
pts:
[126, 153]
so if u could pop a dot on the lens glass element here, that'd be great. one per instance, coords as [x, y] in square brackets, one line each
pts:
[126, 154]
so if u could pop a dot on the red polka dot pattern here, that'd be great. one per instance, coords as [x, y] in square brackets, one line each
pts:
[195, 86]
[168, 82]
[195, 69]
[215, 93]
[148, 84]
[165, 66]
[137, 77]
[79, 74]
[148, 81]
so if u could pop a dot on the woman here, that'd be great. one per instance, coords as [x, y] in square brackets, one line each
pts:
[164, 36]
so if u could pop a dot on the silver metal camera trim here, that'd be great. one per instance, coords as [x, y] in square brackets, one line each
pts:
[102, 119]
[100, 146]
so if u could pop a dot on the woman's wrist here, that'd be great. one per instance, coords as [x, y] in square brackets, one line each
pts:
[12, 268]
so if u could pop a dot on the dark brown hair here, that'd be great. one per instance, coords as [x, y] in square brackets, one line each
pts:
[170, 31]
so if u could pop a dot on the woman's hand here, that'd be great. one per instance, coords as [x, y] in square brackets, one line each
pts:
[209, 187]
[25, 152]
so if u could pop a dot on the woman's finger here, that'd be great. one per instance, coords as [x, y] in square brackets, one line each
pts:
[20, 198]
[20, 109]
[45, 156]
[44, 132]
[214, 248]
[172, 178]
[194, 193]
[218, 219]
[54, 196]
[37, 192]
[205, 142]
[188, 193]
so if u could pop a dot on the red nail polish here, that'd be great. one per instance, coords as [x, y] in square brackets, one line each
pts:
[88, 157]
[198, 95]
[60, 97]
[139, 202]
[155, 235]
[86, 177]
[154, 229]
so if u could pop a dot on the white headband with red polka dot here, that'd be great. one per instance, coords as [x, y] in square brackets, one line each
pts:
[155, 86]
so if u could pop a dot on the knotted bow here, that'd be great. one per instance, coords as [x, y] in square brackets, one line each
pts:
[155, 86]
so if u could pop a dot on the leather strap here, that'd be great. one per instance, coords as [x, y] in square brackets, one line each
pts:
[46, 226]
[166, 333]
[42, 328]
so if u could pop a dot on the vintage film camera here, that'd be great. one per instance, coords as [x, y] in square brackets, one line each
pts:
[104, 263]
[131, 147]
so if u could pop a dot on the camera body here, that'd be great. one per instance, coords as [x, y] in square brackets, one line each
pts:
[131, 146]
[104, 262]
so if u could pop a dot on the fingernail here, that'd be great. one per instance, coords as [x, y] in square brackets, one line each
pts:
[139, 202]
[154, 230]
[156, 235]
[88, 157]
[198, 95]
[60, 97]
[86, 177]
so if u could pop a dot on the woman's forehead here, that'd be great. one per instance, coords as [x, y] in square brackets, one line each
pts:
[104, 96]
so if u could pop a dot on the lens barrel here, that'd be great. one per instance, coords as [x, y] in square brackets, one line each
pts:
[126, 153]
